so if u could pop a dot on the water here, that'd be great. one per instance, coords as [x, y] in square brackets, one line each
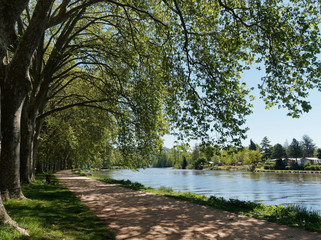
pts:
[268, 188]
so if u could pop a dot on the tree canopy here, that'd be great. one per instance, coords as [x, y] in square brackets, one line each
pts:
[308, 146]
[295, 149]
[278, 152]
[252, 146]
[266, 148]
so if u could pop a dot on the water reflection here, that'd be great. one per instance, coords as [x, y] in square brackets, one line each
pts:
[268, 188]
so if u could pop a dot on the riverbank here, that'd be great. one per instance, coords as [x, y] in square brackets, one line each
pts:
[246, 168]
[144, 215]
[52, 212]
[259, 169]
[268, 188]
[293, 216]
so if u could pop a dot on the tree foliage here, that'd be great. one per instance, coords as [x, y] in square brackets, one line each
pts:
[252, 146]
[67, 141]
[266, 148]
[161, 64]
[278, 152]
[162, 160]
[199, 164]
[151, 67]
[295, 149]
[253, 157]
[318, 153]
[308, 146]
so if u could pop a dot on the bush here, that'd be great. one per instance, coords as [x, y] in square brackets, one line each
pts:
[296, 166]
[307, 165]
[313, 167]
[318, 153]
[279, 165]
[199, 164]
[269, 165]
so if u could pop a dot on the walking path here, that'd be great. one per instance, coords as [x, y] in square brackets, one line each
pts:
[140, 215]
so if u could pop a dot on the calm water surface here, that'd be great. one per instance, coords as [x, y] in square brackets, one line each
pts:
[268, 188]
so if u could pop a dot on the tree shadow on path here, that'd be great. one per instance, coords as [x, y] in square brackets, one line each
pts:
[140, 215]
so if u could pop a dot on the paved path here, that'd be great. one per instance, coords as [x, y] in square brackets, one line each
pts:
[140, 215]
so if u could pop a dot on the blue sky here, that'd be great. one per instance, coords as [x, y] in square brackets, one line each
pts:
[274, 123]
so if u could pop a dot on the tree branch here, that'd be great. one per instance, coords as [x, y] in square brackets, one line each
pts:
[80, 104]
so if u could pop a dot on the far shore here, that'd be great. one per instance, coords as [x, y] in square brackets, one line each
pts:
[289, 171]
[234, 168]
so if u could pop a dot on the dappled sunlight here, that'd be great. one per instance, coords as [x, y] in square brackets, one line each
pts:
[140, 215]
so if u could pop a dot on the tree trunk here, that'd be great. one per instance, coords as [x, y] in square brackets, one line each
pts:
[31, 127]
[9, 14]
[39, 164]
[16, 86]
[26, 148]
[14, 95]
[4, 217]
[11, 100]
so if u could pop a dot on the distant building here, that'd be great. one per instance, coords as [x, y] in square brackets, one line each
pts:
[314, 161]
[299, 161]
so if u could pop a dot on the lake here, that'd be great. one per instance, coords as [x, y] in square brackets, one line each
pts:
[268, 188]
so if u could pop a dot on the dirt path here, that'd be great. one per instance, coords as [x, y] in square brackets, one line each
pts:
[140, 215]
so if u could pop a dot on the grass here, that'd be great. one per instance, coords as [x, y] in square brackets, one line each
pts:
[52, 212]
[232, 168]
[293, 216]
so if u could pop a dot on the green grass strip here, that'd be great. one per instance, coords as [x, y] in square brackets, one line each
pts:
[293, 216]
[53, 212]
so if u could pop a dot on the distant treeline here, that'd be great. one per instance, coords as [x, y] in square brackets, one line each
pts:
[201, 156]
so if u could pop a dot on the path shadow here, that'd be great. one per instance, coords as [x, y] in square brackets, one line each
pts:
[140, 215]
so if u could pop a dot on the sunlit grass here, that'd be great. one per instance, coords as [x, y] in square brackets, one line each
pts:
[52, 212]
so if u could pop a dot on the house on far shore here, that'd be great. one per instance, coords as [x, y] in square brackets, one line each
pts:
[299, 161]
[288, 161]
[314, 161]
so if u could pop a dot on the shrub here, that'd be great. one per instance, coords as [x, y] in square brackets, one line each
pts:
[199, 164]
[313, 167]
[296, 166]
[279, 165]
[318, 153]
[307, 165]
[269, 165]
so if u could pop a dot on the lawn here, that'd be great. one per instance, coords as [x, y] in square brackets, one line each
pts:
[52, 212]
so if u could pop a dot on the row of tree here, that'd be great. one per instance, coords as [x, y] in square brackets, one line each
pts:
[297, 149]
[87, 81]
[185, 157]
[201, 155]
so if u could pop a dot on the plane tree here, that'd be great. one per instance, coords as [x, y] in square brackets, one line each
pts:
[155, 61]
[76, 137]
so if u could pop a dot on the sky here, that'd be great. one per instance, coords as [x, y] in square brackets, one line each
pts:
[273, 122]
